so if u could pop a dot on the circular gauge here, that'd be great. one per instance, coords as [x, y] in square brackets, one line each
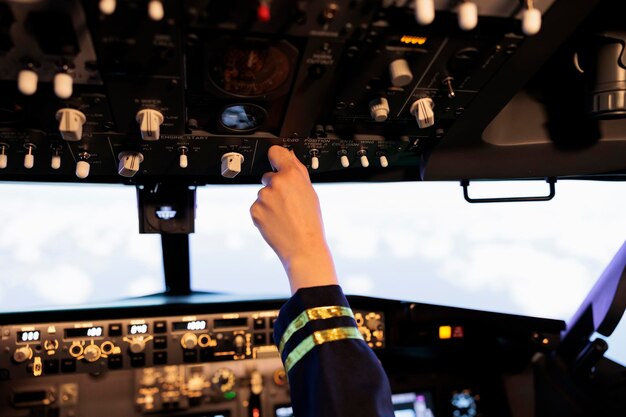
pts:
[249, 70]
[464, 404]
[223, 379]
[242, 117]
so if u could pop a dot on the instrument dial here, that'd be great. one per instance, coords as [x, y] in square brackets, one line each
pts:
[223, 379]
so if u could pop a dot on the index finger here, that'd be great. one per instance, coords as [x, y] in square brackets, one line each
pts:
[279, 157]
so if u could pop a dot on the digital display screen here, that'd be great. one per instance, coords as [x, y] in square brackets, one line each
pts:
[189, 325]
[221, 323]
[137, 328]
[84, 332]
[408, 404]
[30, 336]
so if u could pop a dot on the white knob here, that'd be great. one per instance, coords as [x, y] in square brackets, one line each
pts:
[29, 160]
[231, 164]
[424, 11]
[183, 161]
[468, 15]
[92, 353]
[137, 344]
[149, 123]
[129, 163]
[63, 85]
[155, 10]
[82, 169]
[22, 354]
[531, 21]
[71, 123]
[383, 161]
[364, 161]
[55, 163]
[345, 162]
[107, 6]
[379, 109]
[400, 72]
[422, 109]
[189, 341]
[315, 162]
[27, 82]
[4, 160]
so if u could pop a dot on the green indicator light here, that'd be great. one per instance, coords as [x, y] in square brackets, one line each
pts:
[230, 395]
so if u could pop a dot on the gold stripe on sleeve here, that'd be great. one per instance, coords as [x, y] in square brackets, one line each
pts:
[317, 313]
[319, 338]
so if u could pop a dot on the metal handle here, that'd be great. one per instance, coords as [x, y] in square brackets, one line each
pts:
[551, 181]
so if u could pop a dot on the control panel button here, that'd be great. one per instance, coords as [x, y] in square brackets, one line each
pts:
[150, 121]
[63, 85]
[160, 342]
[345, 162]
[27, 81]
[260, 323]
[71, 123]
[422, 109]
[155, 10]
[82, 168]
[160, 327]
[400, 73]
[363, 158]
[68, 365]
[531, 21]
[115, 329]
[468, 15]
[424, 11]
[231, 164]
[159, 358]
[55, 162]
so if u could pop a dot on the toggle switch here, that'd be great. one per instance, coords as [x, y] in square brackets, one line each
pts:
[183, 161]
[231, 164]
[400, 73]
[29, 158]
[149, 123]
[63, 85]
[4, 159]
[424, 11]
[448, 83]
[315, 159]
[107, 7]
[422, 109]
[531, 19]
[379, 109]
[71, 123]
[468, 15]
[382, 158]
[27, 80]
[130, 162]
[155, 10]
[343, 158]
[363, 158]
[55, 161]
[83, 166]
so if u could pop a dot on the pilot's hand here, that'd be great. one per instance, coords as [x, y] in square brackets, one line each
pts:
[287, 213]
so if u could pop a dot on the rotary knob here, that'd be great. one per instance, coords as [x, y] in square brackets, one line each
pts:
[22, 354]
[137, 344]
[400, 73]
[379, 109]
[92, 353]
[129, 163]
[422, 109]
[189, 341]
[150, 121]
[231, 164]
[71, 123]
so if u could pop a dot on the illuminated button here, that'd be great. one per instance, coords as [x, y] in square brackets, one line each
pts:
[260, 339]
[63, 85]
[71, 123]
[27, 81]
[260, 323]
[457, 332]
[445, 332]
[115, 329]
[400, 73]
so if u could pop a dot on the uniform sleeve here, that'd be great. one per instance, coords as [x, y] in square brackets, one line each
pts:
[332, 372]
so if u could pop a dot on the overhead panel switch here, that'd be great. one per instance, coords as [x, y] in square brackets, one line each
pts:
[231, 164]
[150, 121]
